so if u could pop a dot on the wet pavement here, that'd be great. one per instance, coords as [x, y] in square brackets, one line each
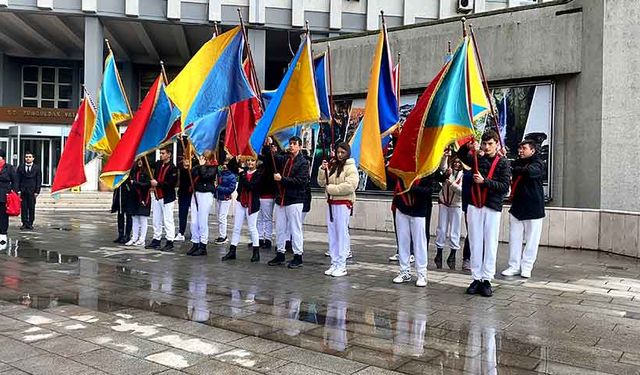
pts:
[75, 303]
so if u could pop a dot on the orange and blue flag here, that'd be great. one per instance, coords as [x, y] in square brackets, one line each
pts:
[445, 112]
[210, 82]
[144, 132]
[294, 103]
[380, 116]
[113, 108]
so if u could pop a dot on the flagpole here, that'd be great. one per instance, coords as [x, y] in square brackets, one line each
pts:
[126, 99]
[250, 57]
[216, 31]
[164, 73]
[331, 105]
[398, 81]
[235, 131]
[475, 152]
[484, 78]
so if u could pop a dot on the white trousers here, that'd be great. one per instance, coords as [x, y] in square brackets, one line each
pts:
[139, 231]
[163, 218]
[239, 215]
[529, 231]
[449, 219]
[335, 326]
[338, 231]
[265, 219]
[485, 362]
[222, 210]
[408, 228]
[484, 231]
[289, 225]
[410, 334]
[201, 204]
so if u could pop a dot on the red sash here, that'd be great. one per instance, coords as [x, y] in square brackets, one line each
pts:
[161, 175]
[478, 192]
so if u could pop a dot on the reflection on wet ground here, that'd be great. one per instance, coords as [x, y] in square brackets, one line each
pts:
[578, 314]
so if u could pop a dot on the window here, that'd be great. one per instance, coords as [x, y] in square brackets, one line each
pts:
[46, 87]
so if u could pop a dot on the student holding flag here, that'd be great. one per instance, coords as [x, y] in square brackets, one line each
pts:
[165, 178]
[226, 182]
[140, 202]
[204, 180]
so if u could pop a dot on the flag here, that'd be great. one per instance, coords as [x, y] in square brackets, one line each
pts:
[294, 103]
[151, 118]
[70, 171]
[174, 126]
[113, 108]
[444, 113]
[210, 82]
[161, 124]
[380, 116]
[320, 64]
[243, 118]
[502, 123]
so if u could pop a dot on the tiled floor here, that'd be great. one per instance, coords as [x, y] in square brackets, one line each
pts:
[75, 303]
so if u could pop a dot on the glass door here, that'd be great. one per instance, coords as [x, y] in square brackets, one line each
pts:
[41, 149]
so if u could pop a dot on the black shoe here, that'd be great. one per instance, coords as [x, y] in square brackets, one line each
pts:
[221, 240]
[287, 247]
[438, 258]
[485, 289]
[194, 248]
[260, 243]
[267, 244]
[30, 227]
[117, 240]
[474, 287]
[25, 227]
[154, 244]
[256, 254]
[168, 246]
[296, 262]
[231, 254]
[451, 260]
[277, 260]
[200, 251]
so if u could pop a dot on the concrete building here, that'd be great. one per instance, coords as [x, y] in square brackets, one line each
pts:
[50, 48]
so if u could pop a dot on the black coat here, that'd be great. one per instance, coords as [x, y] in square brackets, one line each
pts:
[250, 188]
[292, 189]
[267, 184]
[417, 201]
[121, 201]
[204, 177]
[184, 181]
[140, 196]
[527, 195]
[496, 187]
[8, 181]
[168, 186]
[32, 181]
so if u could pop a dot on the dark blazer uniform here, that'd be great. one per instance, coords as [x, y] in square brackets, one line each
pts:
[30, 181]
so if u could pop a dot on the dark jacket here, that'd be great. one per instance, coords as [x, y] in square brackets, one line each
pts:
[140, 196]
[527, 194]
[204, 178]
[226, 184]
[249, 190]
[268, 186]
[8, 181]
[30, 182]
[292, 189]
[184, 181]
[467, 182]
[495, 188]
[167, 188]
[121, 201]
[417, 201]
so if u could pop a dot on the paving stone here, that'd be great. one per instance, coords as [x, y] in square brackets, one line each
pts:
[115, 362]
[318, 360]
[249, 360]
[257, 345]
[52, 364]
[296, 368]
[66, 346]
[209, 366]
[175, 358]
[128, 344]
[14, 350]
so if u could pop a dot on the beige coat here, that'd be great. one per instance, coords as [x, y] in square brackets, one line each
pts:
[341, 187]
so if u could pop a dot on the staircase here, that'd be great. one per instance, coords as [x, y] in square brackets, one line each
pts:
[70, 201]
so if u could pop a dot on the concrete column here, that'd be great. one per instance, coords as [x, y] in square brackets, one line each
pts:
[257, 11]
[130, 84]
[297, 12]
[132, 8]
[409, 12]
[45, 4]
[90, 6]
[215, 10]
[2, 78]
[174, 9]
[479, 6]
[373, 15]
[258, 42]
[335, 14]
[93, 54]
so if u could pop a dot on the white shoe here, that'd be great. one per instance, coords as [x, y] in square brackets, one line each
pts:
[326, 253]
[3, 241]
[131, 242]
[393, 258]
[179, 237]
[525, 274]
[350, 255]
[510, 272]
[339, 272]
[139, 242]
[412, 259]
[402, 278]
[422, 281]
[329, 272]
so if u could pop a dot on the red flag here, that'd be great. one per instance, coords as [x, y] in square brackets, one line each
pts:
[245, 117]
[175, 129]
[117, 168]
[70, 171]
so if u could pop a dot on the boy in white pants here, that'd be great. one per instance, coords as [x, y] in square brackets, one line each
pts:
[164, 181]
[226, 182]
[247, 207]
[491, 179]
[140, 202]
[527, 210]
[204, 178]
[449, 212]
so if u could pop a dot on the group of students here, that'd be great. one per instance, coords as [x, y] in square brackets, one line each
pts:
[475, 181]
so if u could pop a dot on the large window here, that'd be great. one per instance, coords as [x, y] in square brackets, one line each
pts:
[47, 86]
